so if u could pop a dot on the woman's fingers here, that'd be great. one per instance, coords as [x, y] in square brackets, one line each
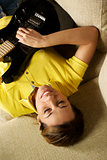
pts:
[29, 29]
[25, 30]
[18, 36]
[21, 32]
[30, 37]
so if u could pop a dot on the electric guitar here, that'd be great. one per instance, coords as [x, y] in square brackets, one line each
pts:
[39, 15]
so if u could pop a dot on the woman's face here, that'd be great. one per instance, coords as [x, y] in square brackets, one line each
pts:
[52, 106]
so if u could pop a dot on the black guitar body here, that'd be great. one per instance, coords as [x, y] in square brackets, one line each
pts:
[39, 15]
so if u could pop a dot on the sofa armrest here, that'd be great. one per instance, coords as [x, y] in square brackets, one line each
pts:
[103, 80]
[89, 13]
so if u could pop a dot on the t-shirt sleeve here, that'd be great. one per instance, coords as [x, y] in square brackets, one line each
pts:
[77, 70]
[3, 67]
[5, 21]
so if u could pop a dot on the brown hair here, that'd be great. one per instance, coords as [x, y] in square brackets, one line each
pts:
[65, 134]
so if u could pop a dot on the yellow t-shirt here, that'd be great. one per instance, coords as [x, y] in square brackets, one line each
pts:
[45, 67]
[5, 21]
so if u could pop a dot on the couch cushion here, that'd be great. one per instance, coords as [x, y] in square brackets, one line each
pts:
[95, 66]
[103, 80]
[87, 13]
[4, 116]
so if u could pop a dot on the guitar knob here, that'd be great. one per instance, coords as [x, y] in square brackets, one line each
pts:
[7, 59]
[24, 11]
[19, 21]
[1, 40]
[15, 16]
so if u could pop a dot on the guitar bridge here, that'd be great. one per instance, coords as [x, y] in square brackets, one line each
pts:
[5, 48]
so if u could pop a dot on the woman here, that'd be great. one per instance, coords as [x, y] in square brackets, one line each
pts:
[54, 79]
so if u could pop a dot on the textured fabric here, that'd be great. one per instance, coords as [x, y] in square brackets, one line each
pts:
[10, 6]
[103, 80]
[2, 14]
[45, 67]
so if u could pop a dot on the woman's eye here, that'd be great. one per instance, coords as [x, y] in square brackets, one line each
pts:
[60, 103]
[46, 110]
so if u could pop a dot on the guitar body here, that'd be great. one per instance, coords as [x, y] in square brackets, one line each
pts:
[39, 15]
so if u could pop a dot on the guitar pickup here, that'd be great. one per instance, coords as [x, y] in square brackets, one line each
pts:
[37, 20]
[5, 48]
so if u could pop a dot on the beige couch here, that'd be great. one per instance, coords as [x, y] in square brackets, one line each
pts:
[20, 138]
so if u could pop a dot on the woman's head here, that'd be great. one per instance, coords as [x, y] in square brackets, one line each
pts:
[53, 107]
[61, 123]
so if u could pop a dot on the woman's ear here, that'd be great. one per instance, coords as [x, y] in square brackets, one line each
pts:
[38, 119]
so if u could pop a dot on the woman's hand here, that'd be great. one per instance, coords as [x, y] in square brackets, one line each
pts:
[30, 37]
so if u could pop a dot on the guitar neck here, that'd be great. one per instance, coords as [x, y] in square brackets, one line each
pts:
[5, 48]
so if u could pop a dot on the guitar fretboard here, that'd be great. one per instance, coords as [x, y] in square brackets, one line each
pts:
[5, 48]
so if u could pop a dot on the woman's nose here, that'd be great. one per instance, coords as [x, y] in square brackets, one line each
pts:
[52, 102]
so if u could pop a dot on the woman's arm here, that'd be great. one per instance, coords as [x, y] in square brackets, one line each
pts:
[85, 37]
